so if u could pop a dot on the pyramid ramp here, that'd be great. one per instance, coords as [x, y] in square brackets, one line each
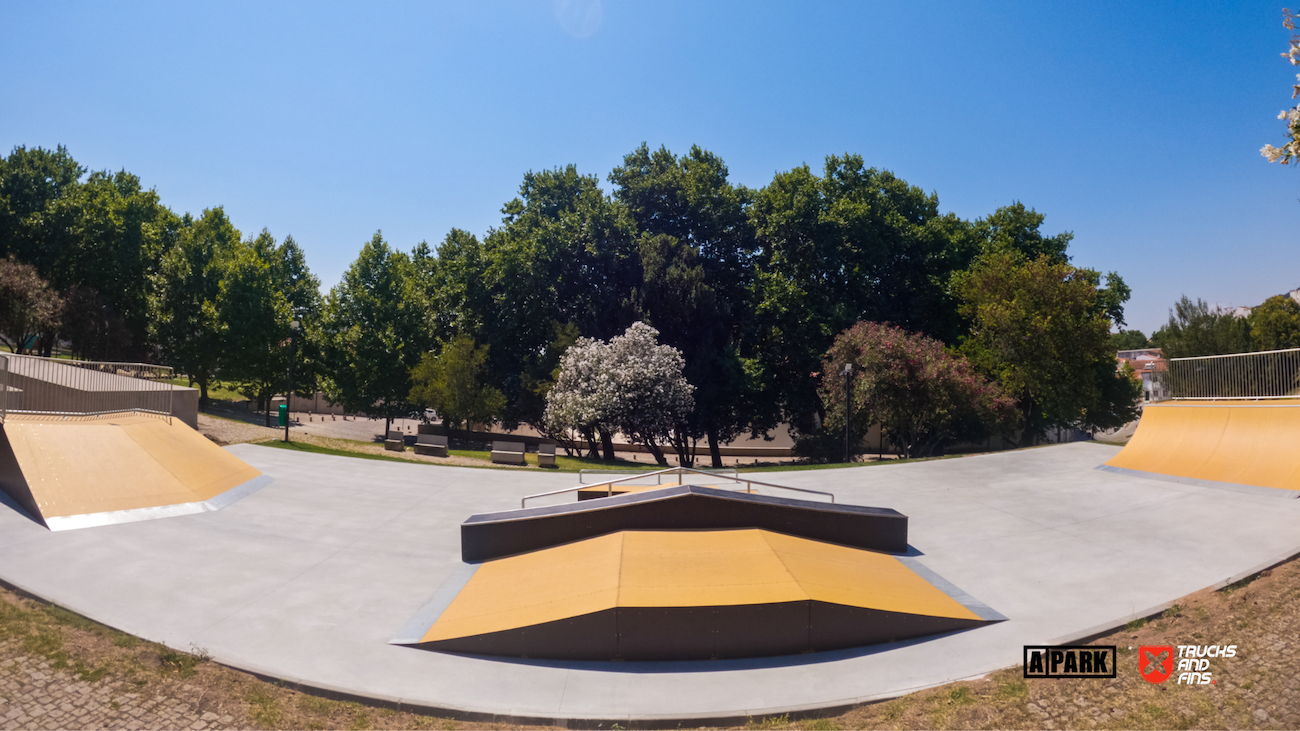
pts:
[82, 472]
[691, 595]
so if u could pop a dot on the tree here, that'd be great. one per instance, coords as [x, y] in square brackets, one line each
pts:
[565, 254]
[1041, 328]
[30, 181]
[697, 257]
[1129, 340]
[1196, 328]
[1289, 152]
[921, 396]
[631, 385]
[374, 333]
[28, 305]
[1275, 324]
[265, 289]
[185, 308]
[855, 244]
[451, 383]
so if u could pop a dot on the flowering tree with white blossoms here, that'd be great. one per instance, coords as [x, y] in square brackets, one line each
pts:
[1290, 152]
[631, 385]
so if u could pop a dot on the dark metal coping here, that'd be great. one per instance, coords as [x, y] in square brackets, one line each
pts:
[681, 507]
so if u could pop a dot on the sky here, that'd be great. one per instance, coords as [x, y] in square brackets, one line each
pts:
[1136, 126]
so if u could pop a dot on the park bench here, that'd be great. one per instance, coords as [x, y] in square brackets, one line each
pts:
[507, 452]
[434, 444]
[395, 441]
[546, 455]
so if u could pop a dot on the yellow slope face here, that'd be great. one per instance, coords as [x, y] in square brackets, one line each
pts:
[857, 578]
[1247, 442]
[204, 468]
[80, 467]
[682, 569]
[702, 569]
[546, 586]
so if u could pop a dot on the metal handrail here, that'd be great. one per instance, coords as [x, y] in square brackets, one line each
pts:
[636, 472]
[58, 387]
[609, 484]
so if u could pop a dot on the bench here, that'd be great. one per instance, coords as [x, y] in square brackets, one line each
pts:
[507, 453]
[395, 442]
[546, 455]
[433, 444]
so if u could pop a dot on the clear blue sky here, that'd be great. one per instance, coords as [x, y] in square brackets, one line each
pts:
[1135, 125]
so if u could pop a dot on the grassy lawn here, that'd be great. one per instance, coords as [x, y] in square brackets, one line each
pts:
[217, 391]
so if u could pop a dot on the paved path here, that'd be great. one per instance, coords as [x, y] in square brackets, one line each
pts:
[309, 578]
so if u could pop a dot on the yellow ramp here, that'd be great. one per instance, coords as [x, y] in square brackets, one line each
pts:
[93, 471]
[660, 595]
[1232, 442]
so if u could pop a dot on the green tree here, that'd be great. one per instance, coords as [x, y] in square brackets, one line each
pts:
[697, 256]
[107, 236]
[1196, 328]
[451, 383]
[1040, 327]
[266, 287]
[186, 316]
[1129, 340]
[375, 333]
[855, 244]
[565, 254]
[1275, 324]
[30, 182]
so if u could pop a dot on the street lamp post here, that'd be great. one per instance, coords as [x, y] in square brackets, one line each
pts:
[848, 407]
[288, 392]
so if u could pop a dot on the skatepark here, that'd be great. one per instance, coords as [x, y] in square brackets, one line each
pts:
[318, 567]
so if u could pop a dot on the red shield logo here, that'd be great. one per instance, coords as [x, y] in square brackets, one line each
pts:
[1156, 662]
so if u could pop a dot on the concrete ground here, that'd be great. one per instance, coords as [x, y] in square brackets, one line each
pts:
[308, 579]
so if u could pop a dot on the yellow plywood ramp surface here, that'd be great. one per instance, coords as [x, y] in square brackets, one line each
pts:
[63, 468]
[634, 594]
[1236, 442]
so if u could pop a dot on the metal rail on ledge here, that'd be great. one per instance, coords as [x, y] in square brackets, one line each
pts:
[609, 484]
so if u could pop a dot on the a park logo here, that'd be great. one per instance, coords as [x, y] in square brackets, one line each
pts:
[1156, 662]
[1069, 661]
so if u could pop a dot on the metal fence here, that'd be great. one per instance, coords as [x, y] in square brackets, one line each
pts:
[1270, 374]
[35, 385]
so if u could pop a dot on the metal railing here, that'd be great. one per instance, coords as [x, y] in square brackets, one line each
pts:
[34, 385]
[1271, 374]
[658, 473]
[609, 484]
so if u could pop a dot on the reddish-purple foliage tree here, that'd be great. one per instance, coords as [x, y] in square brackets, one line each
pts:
[920, 395]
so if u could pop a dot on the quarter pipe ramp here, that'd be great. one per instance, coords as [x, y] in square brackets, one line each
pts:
[1228, 443]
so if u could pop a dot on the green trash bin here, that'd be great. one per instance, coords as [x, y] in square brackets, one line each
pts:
[284, 414]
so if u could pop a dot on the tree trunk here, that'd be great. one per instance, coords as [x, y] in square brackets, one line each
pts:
[660, 459]
[203, 394]
[607, 445]
[715, 453]
[266, 399]
[685, 449]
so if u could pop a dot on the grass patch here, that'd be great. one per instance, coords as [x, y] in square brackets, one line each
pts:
[1136, 624]
[317, 449]
[182, 662]
[263, 707]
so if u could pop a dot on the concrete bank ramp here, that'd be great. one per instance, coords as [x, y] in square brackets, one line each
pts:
[82, 472]
[1242, 445]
